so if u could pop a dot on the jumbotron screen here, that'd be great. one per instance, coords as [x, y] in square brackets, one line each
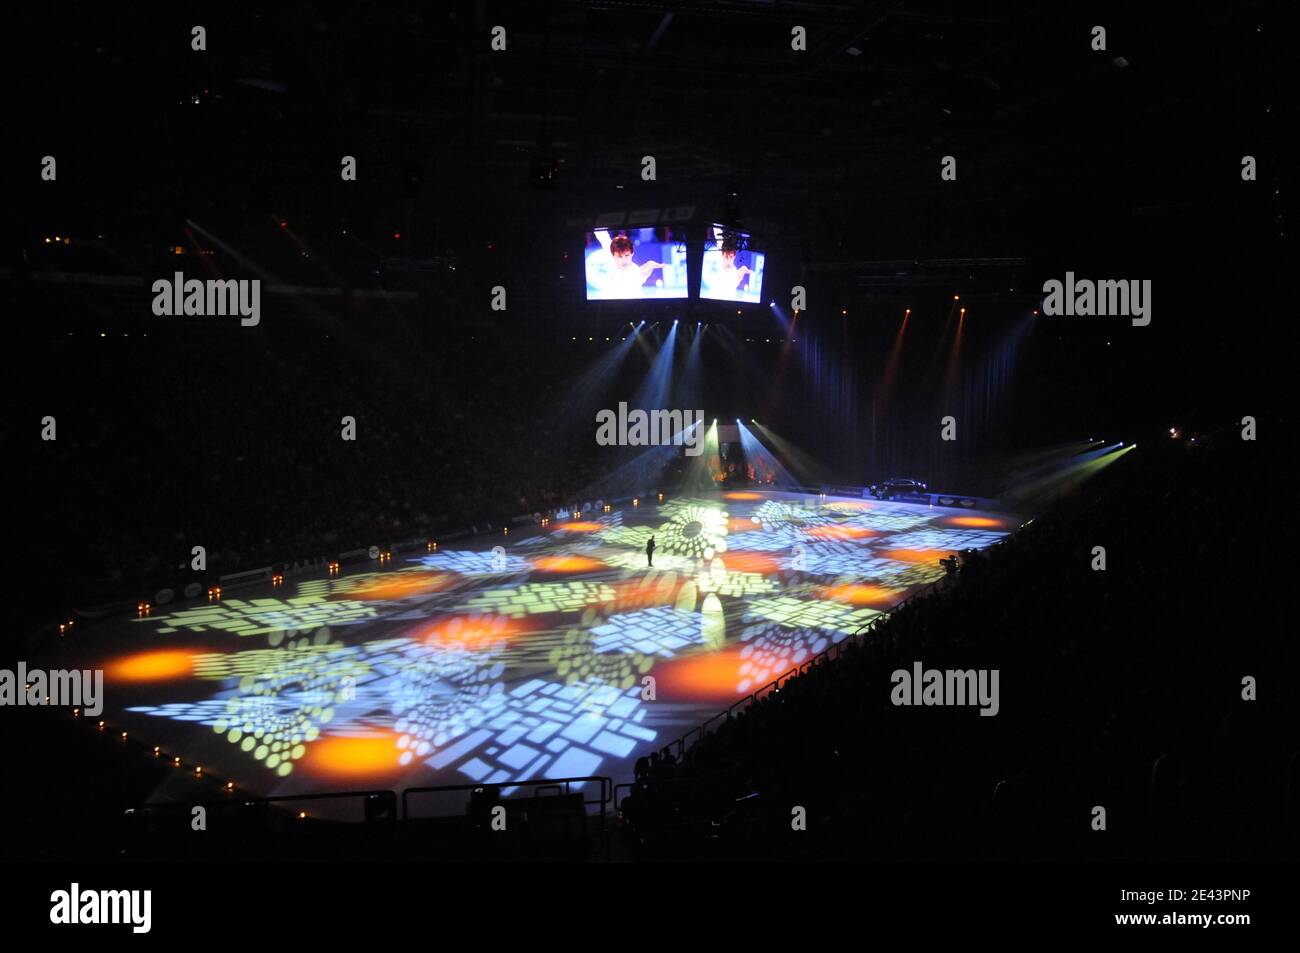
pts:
[732, 270]
[635, 264]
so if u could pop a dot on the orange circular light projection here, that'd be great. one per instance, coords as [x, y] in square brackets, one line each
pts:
[399, 585]
[568, 564]
[741, 561]
[713, 676]
[742, 495]
[582, 526]
[917, 555]
[159, 666]
[840, 532]
[977, 522]
[366, 756]
[861, 594]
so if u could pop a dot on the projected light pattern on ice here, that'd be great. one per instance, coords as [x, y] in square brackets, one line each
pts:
[535, 660]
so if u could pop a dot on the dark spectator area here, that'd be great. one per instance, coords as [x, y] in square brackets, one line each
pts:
[1121, 689]
[196, 436]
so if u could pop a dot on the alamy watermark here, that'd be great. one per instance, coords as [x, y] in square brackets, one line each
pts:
[1087, 298]
[923, 686]
[178, 296]
[655, 428]
[82, 689]
[74, 906]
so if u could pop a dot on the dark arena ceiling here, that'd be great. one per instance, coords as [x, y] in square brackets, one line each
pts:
[831, 152]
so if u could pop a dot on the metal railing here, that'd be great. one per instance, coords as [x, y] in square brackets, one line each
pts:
[373, 801]
[383, 804]
[561, 785]
[668, 784]
[247, 821]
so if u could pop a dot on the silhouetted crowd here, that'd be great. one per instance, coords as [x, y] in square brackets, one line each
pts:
[234, 441]
[1120, 689]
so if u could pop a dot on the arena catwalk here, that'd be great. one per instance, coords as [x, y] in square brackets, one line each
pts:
[561, 654]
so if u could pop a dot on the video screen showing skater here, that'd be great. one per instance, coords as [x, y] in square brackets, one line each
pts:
[635, 264]
[732, 270]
